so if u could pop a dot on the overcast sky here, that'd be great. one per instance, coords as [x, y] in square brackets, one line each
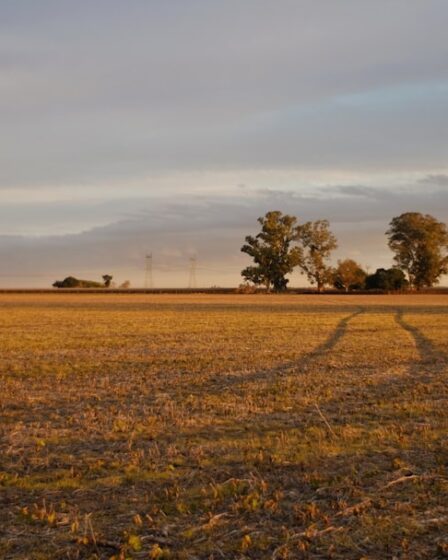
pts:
[169, 126]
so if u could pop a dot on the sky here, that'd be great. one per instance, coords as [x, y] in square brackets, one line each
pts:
[169, 126]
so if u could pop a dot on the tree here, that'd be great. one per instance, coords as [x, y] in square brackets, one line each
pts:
[72, 282]
[107, 278]
[318, 242]
[389, 280]
[420, 244]
[68, 282]
[272, 251]
[349, 275]
[125, 285]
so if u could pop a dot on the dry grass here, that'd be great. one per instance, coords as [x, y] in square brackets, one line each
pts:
[193, 427]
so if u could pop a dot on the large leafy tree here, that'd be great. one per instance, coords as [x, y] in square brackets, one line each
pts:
[348, 275]
[420, 244]
[273, 251]
[318, 243]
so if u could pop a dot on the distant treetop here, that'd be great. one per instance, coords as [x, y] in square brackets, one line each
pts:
[72, 282]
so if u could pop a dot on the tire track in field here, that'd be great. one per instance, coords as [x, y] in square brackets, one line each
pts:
[427, 351]
[295, 366]
[334, 337]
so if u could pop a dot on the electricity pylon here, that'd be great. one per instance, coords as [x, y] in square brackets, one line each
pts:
[148, 272]
[192, 276]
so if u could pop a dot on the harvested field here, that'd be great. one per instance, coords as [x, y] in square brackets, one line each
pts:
[208, 426]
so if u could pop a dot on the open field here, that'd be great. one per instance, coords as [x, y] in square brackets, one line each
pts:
[193, 427]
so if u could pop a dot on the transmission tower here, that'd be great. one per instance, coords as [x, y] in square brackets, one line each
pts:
[148, 271]
[192, 276]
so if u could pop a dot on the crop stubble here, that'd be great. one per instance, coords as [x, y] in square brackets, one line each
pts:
[223, 426]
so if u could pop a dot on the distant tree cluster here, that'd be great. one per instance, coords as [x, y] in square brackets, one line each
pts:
[282, 245]
[72, 282]
[419, 242]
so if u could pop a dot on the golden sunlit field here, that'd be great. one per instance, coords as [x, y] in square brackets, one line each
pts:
[200, 426]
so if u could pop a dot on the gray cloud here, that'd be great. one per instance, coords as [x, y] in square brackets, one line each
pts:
[439, 180]
[101, 90]
[359, 190]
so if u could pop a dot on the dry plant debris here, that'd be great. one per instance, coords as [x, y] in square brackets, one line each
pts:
[208, 427]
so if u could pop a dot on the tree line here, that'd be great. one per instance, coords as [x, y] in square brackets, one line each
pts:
[72, 282]
[419, 243]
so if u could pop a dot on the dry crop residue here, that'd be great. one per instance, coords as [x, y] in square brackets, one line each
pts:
[194, 427]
